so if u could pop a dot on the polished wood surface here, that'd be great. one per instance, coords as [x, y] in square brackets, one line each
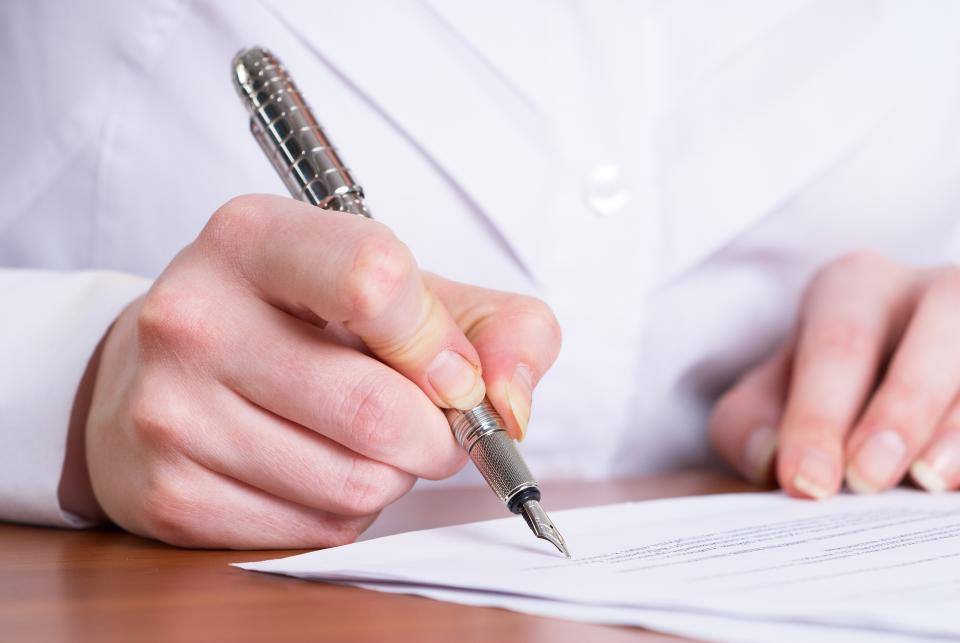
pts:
[106, 585]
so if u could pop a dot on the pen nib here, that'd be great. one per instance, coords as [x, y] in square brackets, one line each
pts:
[541, 525]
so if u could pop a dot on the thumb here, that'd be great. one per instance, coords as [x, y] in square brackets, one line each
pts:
[517, 338]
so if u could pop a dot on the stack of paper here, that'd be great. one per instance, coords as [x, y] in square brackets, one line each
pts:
[734, 567]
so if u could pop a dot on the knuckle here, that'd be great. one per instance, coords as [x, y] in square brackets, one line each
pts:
[175, 319]
[842, 338]
[366, 488]
[154, 423]
[366, 408]
[906, 396]
[446, 464]
[946, 285]
[343, 530]
[536, 316]
[381, 266]
[858, 264]
[167, 510]
[236, 219]
[862, 261]
[540, 311]
[811, 426]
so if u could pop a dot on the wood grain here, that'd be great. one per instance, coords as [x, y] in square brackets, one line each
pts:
[106, 585]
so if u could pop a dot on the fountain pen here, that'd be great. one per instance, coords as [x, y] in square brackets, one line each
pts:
[313, 171]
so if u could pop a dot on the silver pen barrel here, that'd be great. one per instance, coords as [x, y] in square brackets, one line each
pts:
[313, 172]
[290, 136]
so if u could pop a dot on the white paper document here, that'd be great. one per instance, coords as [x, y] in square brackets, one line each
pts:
[730, 567]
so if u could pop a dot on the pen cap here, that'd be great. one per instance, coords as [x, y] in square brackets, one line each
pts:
[290, 136]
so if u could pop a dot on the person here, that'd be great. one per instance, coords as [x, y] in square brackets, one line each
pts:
[742, 216]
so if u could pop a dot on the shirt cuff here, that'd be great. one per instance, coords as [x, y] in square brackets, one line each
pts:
[52, 323]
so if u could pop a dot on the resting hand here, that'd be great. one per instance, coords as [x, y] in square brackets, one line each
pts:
[865, 390]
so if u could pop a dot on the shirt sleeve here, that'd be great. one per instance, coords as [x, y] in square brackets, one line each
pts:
[51, 322]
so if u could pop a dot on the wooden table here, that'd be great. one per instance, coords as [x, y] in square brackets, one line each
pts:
[106, 585]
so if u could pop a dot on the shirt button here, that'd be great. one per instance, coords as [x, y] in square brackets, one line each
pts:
[605, 192]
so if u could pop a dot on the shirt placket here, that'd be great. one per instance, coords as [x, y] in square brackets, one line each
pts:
[600, 259]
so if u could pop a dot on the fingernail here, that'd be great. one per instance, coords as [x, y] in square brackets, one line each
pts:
[456, 381]
[939, 464]
[928, 477]
[519, 396]
[758, 453]
[877, 462]
[816, 475]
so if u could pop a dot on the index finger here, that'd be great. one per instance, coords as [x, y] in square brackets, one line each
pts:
[517, 337]
[345, 268]
[849, 318]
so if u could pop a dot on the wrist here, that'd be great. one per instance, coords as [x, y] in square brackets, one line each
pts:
[75, 491]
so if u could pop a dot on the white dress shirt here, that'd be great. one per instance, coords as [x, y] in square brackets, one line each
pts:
[666, 175]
